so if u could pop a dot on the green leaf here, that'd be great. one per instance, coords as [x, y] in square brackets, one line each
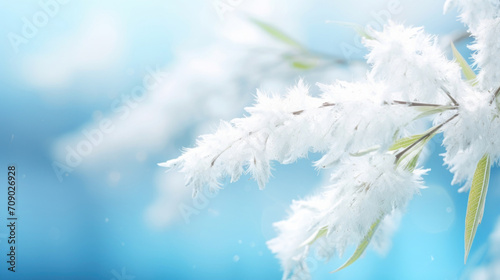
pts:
[277, 34]
[477, 198]
[410, 159]
[405, 142]
[361, 247]
[318, 234]
[466, 70]
[408, 141]
[412, 163]
[303, 65]
[356, 27]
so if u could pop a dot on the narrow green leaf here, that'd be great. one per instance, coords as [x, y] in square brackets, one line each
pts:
[303, 65]
[356, 27]
[477, 198]
[405, 142]
[361, 247]
[409, 158]
[318, 234]
[412, 163]
[277, 34]
[466, 70]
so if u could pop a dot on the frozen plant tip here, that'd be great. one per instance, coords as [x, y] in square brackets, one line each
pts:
[365, 132]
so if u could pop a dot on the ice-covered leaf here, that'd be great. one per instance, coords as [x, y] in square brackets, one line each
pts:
[318, 234]
[429, 111]
[466, 69]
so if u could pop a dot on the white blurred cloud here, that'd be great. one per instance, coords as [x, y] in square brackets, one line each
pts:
[95, 46]
[202, 86]
[164, 211]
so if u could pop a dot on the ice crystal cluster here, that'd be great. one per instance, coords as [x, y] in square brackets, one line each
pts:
[365, 132]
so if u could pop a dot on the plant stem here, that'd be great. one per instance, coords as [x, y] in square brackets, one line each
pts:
[417, 104]
[449, 96]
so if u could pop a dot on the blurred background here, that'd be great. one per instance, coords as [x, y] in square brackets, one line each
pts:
[96, 93]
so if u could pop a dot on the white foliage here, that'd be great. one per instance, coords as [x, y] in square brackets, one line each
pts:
[473, 12]
[286, 128]
[356, 128]
[475, 131]
[413, 63]
[483, 19]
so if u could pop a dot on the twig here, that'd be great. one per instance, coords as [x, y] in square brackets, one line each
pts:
[415, 104]
[449, 96]
[497, 92]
